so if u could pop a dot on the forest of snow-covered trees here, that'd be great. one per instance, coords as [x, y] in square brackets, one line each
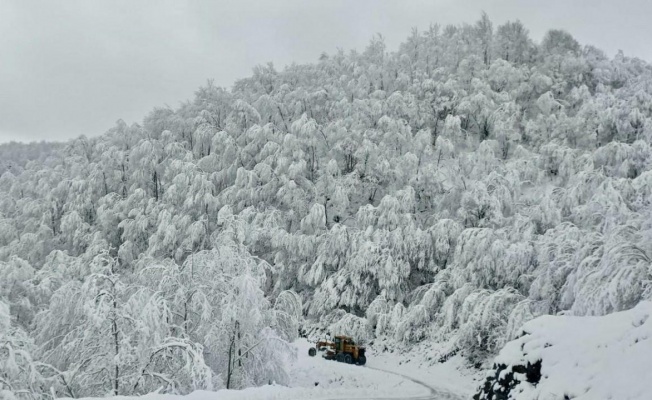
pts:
[448, 191]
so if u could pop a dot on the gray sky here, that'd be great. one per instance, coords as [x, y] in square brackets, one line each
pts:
[69, 68]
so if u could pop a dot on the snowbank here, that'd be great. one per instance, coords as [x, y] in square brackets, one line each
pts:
[583, 358]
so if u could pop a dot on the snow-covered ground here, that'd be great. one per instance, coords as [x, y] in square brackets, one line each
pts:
[452, 378]
[586, 358]
[339, 380]
[386, 376]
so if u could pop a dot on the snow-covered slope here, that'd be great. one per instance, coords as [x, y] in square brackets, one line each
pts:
[583, 358]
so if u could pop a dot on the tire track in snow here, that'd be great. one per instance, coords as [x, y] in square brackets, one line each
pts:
[435, 394]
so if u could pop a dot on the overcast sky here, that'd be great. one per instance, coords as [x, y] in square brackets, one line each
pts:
[69, 68]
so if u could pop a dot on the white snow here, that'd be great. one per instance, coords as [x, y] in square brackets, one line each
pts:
[452, 378]
[411, 377]
[340, 380]
[586, 358]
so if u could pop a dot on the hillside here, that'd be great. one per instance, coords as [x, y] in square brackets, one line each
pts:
[446, 192]
[577, 358]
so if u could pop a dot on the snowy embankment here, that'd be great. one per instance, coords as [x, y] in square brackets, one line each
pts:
[583, 358]
[386, 376]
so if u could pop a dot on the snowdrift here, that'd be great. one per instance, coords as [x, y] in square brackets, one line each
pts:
[584, 358]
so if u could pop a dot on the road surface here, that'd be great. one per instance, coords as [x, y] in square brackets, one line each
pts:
[317, 378]
[435, 393]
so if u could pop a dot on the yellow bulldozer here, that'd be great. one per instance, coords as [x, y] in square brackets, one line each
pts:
[341, 349]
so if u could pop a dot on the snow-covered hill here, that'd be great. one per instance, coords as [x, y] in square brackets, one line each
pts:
[583, 358]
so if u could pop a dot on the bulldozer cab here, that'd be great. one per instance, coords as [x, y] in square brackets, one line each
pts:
[342, 342]
[345, 344]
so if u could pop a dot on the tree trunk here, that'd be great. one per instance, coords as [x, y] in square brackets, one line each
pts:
[326, 212]
[155, 179]
[106, 187]
[124, 183]
[229, 371]
[117, 350]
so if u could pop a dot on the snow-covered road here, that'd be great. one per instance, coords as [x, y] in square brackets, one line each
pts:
[386, 377]
[327, 379]
[383, 378]
[435, 393]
